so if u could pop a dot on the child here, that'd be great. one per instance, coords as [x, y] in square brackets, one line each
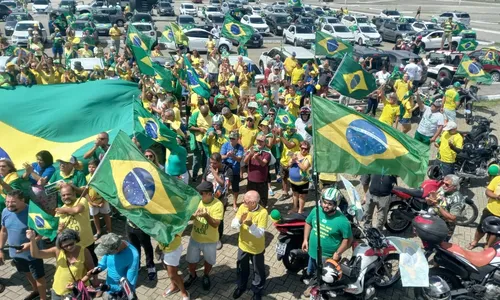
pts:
[97, 204]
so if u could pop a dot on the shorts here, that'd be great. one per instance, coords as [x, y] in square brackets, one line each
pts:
[235, 182]
[173, 258]
[301, 189]
[405, 121]
[486, 213]
[447, 36]
[422, 138]
[450, 114]
[194, 250]
[54, 296]
[57, 50]
[284, 172]
[35, 267]
[104, 210]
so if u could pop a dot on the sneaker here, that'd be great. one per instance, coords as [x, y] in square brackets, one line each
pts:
[206, 283]
[189, 282]
[188, 296]
[219, 245]
[152, 274]
[271, 193]
[237, 293]
[306, 278]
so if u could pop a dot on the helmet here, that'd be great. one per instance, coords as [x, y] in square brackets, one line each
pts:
[419, 38]
[217, 119]
[434, 172]
[332, 194]
[491, 225]
[438, 289]
[493, 170]
[468, 148]
[331, 271]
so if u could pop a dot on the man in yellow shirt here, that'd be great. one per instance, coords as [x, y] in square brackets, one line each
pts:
[116, 35]
[248, 133]
[244, 79]
[451, 101]
[198, 125]
[491, 209]
[231, 121]
[205, 234]
[390, 112]
[450, 143]
[402, 86]
[290, 63]
[210, 44]
[251, 222]
[46, 73]
[298, 74]
[85, 52]
[290, 144]
[292, 101]
[216, 136]
[251, 110]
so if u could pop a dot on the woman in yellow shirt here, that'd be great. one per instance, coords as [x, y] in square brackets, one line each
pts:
[300, 165]
[156, 52]
[244, 79]
[390, 112]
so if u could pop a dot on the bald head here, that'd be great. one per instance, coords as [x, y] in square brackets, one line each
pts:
[204, 110]
[251, 200]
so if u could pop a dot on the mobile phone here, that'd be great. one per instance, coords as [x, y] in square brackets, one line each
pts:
[15, 247]
[96, 271]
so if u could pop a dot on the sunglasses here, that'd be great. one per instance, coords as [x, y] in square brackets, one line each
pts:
[149, 156]
[232, 139]
[447, 184]
[68, 245]
[303, 148]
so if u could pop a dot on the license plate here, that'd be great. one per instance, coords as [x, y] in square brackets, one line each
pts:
[280, 248]
[256, 42]
[467, 112]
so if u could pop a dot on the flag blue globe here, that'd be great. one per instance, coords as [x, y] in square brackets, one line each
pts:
[332, 45]
[151, 129]
[474, 68]
[39, 222]
[365, 138]
[356, 79]
[235, 29]
[4, 154]
[138, 187]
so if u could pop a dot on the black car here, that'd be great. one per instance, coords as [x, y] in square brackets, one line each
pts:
[295, 10]
[256, 41]
[4, 12]
[12, 20]
[379, 57]
[165, 9]
[398, 58]
[142, 17]
[305, 20]
[277, 22]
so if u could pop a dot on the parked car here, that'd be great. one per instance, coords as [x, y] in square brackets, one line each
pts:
[256, 41]
[257, 22]
[165, 9]
[378, 21]
[197, 1]
[379, 57]
[457, 16]
[68, 4]
[226, 7]
[20, 35]
[41, 6]
[319, 22]
[204, 11]
[306, 21]
[188, 9]
[12, 5]
[198, 39]
[252, 67]
[299, 35]
[254, 10]
[102, 23]
[12, 20]
[407, 19]
[115, 15]
[339, 31]
[367, 35]
[302, 55]
[215, 19]
[442, 64]
[424, 25]
[146, 29]
[393, 31]
[295, 10]
[355, 20]
[494, 67]
[400, 58]
[432, 39]
[277, 22]
[4, 12]
[142, 17]
[391, 14]
[186, 21]
[216, 3]
[79, 25]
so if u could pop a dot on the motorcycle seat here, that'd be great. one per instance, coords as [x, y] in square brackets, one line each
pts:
[418, 193]
[478, 259]
[293, 217]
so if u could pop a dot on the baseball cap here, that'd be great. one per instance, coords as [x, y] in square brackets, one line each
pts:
[109, 243]
[234, 135]
[276, 68]
[261, 137]
[71, 160]
[437, 103]
[264, 122]
[450, 125]
[457, 84]
[294, 54]
[253, 104]
[205, 186]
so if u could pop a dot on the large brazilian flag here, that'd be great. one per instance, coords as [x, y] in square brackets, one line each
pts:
[157, 203]
[64, 119]
[346, 141]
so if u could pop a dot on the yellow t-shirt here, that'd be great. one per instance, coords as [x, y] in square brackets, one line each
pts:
[297, 74]
[47, 77]
[210, 45]
[177, 113]
[446, 154]
[256, 116]
[247, 241]
[202, 232]
[93, 197]
[493, 204]
[174, 244]
[79, 222]
[233, 123]
[293, 104]
[247, 136]
[407, 106]
[194, 102]
[245, 79]
[389, 113]
[289, 65]
[37, 76]
[450, 99]
[215, 143]
[115, 34]
[285, 158]
[85, 53]
[202, 122]
[402, 88]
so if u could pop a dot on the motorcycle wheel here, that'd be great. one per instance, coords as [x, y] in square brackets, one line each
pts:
[469, 214]
[492, 140]
[292, 264]
[451, 279]
[396, 223]
[391, 264]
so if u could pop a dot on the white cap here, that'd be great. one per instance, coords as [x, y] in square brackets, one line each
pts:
[450, 125]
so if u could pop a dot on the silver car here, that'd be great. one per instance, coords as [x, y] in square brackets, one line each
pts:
[457, 16]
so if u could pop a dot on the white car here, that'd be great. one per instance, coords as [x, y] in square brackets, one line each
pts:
[253, 67]
[41, 6]
[392, 14]
[326, 20]
[432, 39]
[20, 35]
[146, 28]
[204, 12]
[423, 26]
[188, 9]
[457, 16]
[198, 40]
[257, 22]
[254, 10]
[301, 54]
[339, 31]
[299, 35]
[367, 35]
[356, 20]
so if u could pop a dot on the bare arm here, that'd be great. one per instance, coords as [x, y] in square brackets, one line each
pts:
[346, 243]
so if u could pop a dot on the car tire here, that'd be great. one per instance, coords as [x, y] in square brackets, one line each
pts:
[360, 42]
[443, 73]
[397, 38]
[495, 76]
[4, 18]
[223, 48]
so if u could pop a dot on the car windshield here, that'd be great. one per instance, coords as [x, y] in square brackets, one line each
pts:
[319, 12]
[306, 21]
[255, 20]
[188, 6]
[307, 8]
[341, 29]
[393, 13]
[296, 9]
[404, 27]
[464, 16]
[165, 4]
[101, 19]
[17, 17]
[279, 11]
[215, 1]
[186, 20]
[367, 29]
[78, 26]
[281, 20]
[66, 3]
[40, 2]
[362, 20]
[212, 9]
[410, 20]
[143, 27]
[23, 26]
[257, 9]
[10, 4]
[142, 18]
[217, 19]
[231, 5]
[432, 26]
[304, 29]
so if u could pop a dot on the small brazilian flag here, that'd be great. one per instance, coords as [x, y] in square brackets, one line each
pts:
[351, 80]
[328, 45]
[167, 36]
[157, 203]
[198, 85]
[467, 45]
[179, 37]
[285, 119]
[346, 141]
[143, 60]
[473, 71]
[40, 221]
[139, 39]
[491, 58]
[235, 30]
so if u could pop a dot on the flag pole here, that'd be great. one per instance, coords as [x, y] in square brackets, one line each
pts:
[334, 74]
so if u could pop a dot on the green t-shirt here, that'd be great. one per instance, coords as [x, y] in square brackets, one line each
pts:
[333, 230]
[77, 178]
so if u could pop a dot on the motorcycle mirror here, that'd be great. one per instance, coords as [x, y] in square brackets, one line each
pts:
[351, 210]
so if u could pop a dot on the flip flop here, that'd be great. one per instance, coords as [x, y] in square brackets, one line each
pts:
[97, 236]
[169, 292]
[471, 246]
[2, 288]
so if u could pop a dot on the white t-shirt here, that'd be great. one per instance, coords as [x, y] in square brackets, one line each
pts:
[430, 122]
[271, 78]
[301, 128]
[382, 77]
[412, 70]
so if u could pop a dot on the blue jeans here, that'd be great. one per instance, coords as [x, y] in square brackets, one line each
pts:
[311, 266]
[372, 106]
[447, 168]
[199, 160]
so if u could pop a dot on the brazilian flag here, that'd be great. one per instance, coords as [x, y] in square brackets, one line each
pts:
[235, 30]
[473, 71]
[285, 119]
[396, 74]
[198, 85]
[351, 80]
[467, 45]
[40, 221]
[149, 129]
[297, 3]
[491, 58]
[328, 45]
[458, 27]
[167, 36]
[139, 39]
[164, 78]
[157, 203]
[179, 36]
[346, 141]
[143, 60]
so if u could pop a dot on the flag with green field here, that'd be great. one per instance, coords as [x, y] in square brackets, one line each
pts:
[351, 80]
[43, 223]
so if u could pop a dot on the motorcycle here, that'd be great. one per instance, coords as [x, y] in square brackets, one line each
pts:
[125, 293]
[371, 266]
[468, 273]
[411, 202]
[480, 132]
[467, 97]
